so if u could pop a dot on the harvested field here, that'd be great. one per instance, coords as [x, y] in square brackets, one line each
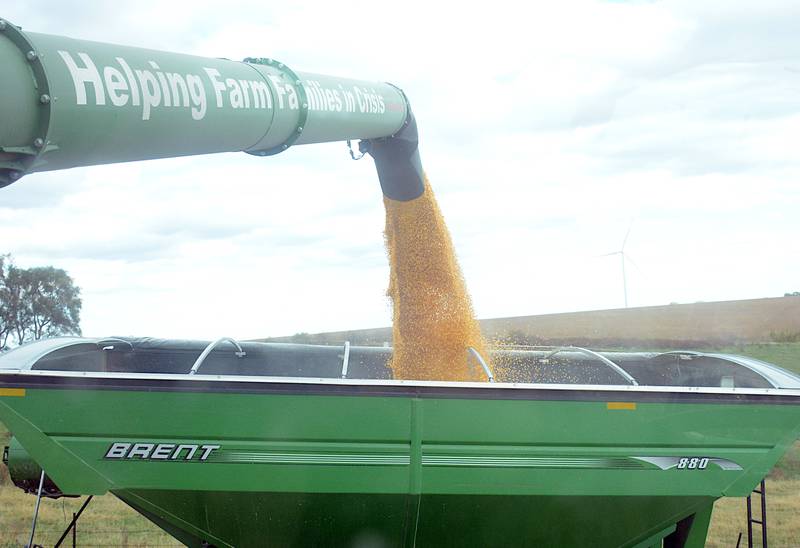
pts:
[698, 325]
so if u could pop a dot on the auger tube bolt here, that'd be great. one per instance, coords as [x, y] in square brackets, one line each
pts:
[31, 55]
[38, 142]
[44, 98]
[14, 175]
[3, 25]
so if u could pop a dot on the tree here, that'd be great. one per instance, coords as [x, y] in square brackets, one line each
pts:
[6, 318]
[37, 302]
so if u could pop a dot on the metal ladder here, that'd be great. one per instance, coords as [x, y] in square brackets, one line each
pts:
[762, 492]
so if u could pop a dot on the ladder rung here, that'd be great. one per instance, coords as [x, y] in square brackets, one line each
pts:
[757, 491]
[756, 521]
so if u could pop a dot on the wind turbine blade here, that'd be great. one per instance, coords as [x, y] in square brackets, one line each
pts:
[628, 258]
[608, 254]
[628, 233]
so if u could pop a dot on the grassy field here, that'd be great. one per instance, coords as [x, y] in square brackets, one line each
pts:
[105, 522]
[108, 522]
[671, 326]
[783, 505]
[786, 355]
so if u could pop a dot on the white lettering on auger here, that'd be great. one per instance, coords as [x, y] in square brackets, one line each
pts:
[198, 94]
[88, 74]
[117, 86]
[219, 87]
[153, 88]
[340, 99]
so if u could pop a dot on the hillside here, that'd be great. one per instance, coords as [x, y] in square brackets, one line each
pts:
[693, 325]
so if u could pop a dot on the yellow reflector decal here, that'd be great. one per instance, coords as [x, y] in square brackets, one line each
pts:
[18, 392]
[621, 405]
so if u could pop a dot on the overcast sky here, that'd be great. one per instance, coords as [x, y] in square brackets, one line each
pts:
[547, 128]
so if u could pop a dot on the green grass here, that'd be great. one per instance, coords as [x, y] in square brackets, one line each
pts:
[783, 520]
[105, 522]
[786, 355]
[108, 522]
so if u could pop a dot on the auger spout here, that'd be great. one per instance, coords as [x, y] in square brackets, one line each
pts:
[66, 103]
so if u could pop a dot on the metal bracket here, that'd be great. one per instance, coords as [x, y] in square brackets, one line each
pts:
[36, 511]
[681, 354]
[25, 157]
[73, 525]
[112, 344]
[302, 116]
[202, 357]
[345, 359]
[624, 374]
[480, 360]
[362, 150]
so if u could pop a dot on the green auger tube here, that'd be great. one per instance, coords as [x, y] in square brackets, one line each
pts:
[26, 473]
[67, 103]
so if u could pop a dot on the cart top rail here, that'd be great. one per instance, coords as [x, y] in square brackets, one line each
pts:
[538, 365]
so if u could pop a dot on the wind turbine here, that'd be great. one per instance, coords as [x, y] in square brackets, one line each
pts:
[623, 258]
